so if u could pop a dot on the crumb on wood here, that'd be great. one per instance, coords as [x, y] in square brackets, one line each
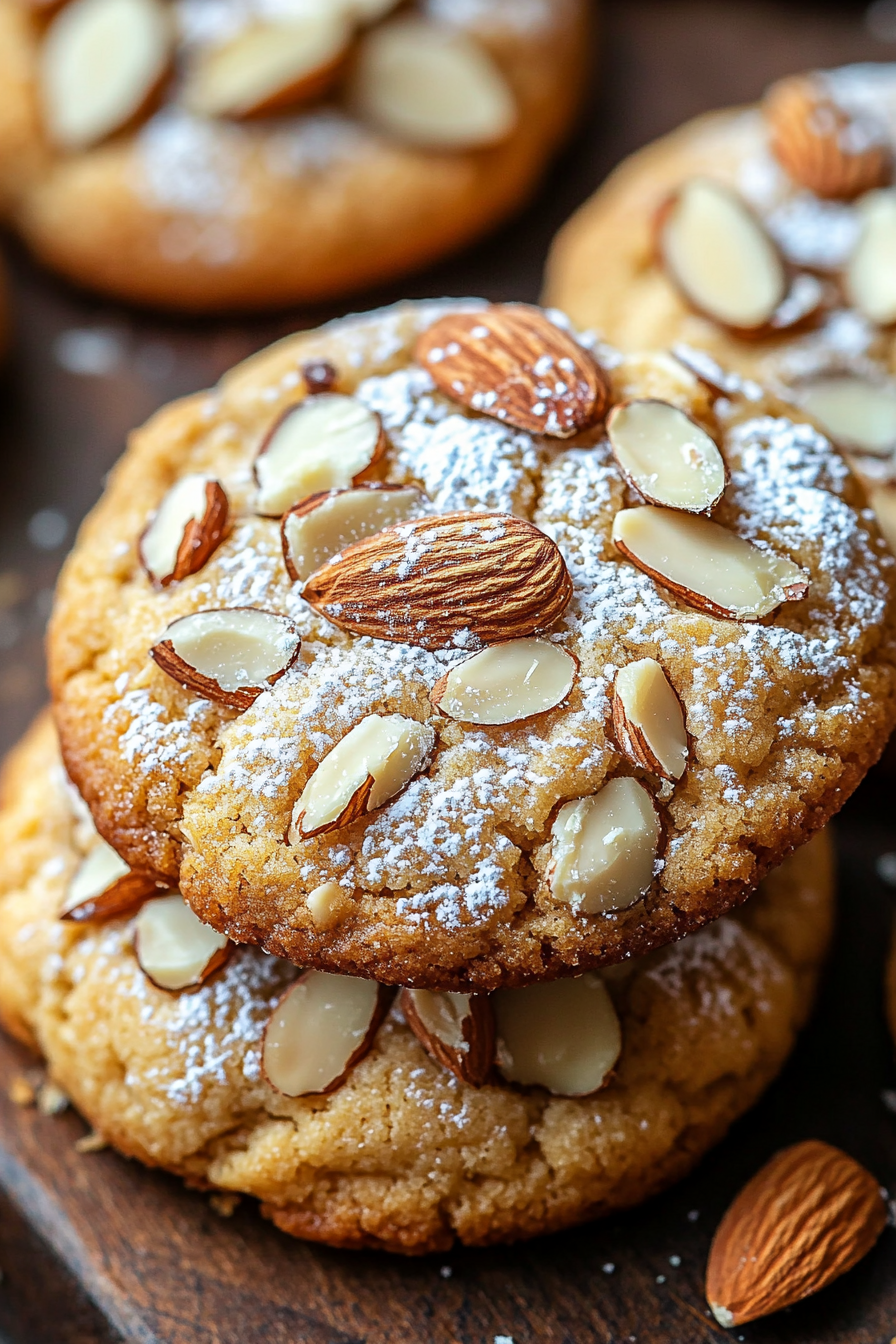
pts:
[94, 1142]
[223, 1203]
[21, 1091]
[51, 1100]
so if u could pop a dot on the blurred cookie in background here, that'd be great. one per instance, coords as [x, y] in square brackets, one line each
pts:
[237, 154]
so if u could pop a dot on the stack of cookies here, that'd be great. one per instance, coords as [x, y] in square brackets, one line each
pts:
[431, 695]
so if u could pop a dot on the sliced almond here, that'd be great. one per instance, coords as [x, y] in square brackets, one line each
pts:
[323, 525]
[506, 683]
[328, 904]
[563, 1035]
[269, 66]
[512, 363]
[603, 848]
[858, 413]
[883, 501]
[458, 1030]
[326, 442]
[445, 581]
[174, 948]
[871, 273]
[821, 145]
[104, 887]
[708, 566]
[720, 257]
[431, 86]
[323, 1025]
[100, 64]
[807, 1217]
[372, 763]
[185, 531]
[666, 455]
[230, 655]
[648, 720]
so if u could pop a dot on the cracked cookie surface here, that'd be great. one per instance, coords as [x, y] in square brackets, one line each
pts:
[403, 1156]
[450, 881]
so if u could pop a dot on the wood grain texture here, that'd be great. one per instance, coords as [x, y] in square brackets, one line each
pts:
[95, 1250]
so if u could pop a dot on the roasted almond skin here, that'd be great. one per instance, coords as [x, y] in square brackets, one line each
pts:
[202, 536]
[216, 962]
[385, 995]
[809, 138]
[474, 1065]
[121, 898]
[171, 663]
[807, 1217]
[514, 370]
[440, 582]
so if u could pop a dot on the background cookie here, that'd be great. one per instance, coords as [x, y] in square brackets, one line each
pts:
[453, 883]
[324, 193]
[821, 206]
[402, 1156]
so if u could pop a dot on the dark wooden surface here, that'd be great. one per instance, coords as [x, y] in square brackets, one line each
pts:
[93, 1248]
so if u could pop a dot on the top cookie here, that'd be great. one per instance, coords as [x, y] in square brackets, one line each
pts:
[212, 154]
[803, 187]
[354, 801]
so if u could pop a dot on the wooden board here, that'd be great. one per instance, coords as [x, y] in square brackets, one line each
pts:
[93, 1248]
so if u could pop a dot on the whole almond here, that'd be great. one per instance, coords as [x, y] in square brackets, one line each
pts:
[512, 363]
[820, 145]
[449, 581]
[807, 1217]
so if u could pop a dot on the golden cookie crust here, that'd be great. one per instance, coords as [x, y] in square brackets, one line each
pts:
[208, 216]
[403, 1156]
[603, 270]
[448, 880]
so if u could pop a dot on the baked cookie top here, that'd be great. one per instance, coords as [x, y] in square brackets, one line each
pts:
[804, 184]
[228, 153]
[403, 1155]
[615, 762]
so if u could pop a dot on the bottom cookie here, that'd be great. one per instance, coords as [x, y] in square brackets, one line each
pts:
[402, 1156]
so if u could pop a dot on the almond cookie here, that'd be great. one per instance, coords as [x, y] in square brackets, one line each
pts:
[212, 154]
[401, 1153]
[501, 720]
[799, 194]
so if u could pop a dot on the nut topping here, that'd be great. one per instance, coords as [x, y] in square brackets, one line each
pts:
[326, 442]
[563, 1035]
[707, 566]
[458, 1030]
[807, 1217]
[717, 253]
[174, 948]
[328, 904]
[883, 501]
[319, 376]
[648, 721]
[666, 456]
[871, 273]
[185, 531]
[859, 414]
[445, 581]
[512, 363]
[603, 848]
[104, 887]
[230, 655]
[322, 526]
[823, 147]
[372, 763]
[100, 64]
[431, 85]
[323, 1025]
[269, 66]
[506, 683]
